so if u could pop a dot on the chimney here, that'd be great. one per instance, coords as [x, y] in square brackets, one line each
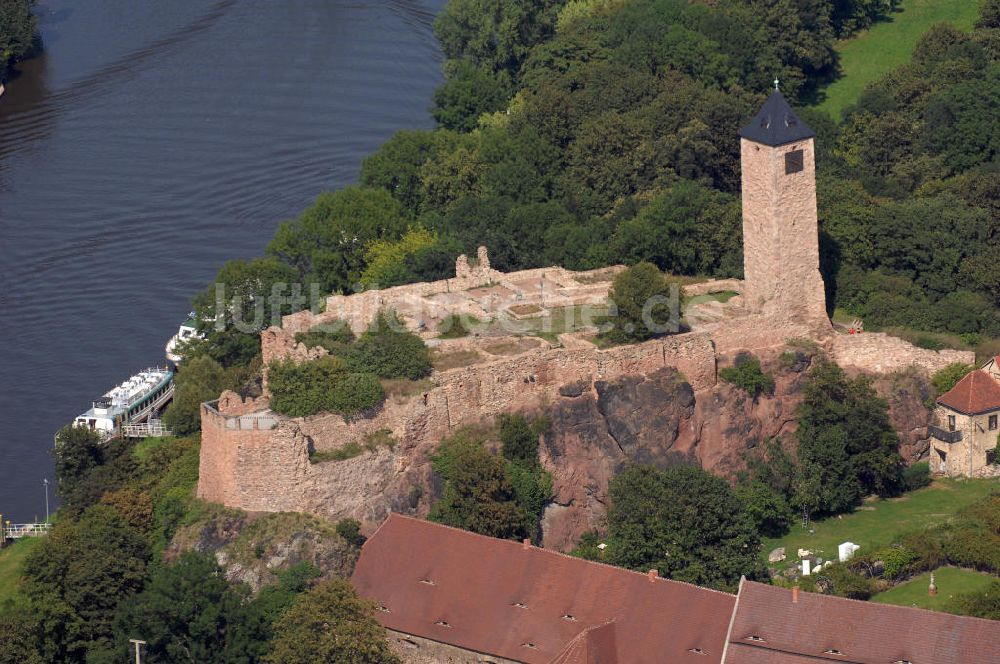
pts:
[653, 574]
[526, 543]
[795, 594]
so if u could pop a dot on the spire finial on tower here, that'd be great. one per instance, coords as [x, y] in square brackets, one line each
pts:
[776, 83]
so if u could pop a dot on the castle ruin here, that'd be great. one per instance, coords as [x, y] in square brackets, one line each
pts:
[256, 460]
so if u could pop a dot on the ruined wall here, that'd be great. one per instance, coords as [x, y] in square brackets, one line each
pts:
[876, 352]
[781, 233]
[251, 468]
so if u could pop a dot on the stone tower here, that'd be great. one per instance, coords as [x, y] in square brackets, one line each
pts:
[780, 225]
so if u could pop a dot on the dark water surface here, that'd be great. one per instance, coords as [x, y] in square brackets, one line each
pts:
[153, 141]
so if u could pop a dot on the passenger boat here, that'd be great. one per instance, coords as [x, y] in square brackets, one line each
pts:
[135, 400]
[188, 330]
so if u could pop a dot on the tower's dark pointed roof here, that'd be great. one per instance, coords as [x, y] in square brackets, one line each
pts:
[776, 124]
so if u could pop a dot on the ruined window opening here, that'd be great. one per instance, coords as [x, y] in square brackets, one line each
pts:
[794, 162]
[993, 422]
[951, 423]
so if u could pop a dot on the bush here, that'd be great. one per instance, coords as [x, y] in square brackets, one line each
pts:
[332, 336]
[843, 581]
[947, 378]
[456, 326]
[748, 376]
[917, 476]
[299, 389]
[388, 350]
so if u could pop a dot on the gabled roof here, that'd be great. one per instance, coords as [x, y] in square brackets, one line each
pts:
[532, 605]
[776, 124]
[821, 628]
[977, 393]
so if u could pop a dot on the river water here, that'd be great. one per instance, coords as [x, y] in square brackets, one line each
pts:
[153, 141]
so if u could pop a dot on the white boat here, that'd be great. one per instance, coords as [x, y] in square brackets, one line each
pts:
[135, 400]
[188, 330]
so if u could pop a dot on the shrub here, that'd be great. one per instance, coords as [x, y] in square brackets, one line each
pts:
[350, 531]
[947, 378]
[917, 476]
[928, 342]
[843, 581]
[749, 377]
[898, 561]
[299, 389]
[388, 350]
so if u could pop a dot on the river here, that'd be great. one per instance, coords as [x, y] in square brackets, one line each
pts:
[152, 142]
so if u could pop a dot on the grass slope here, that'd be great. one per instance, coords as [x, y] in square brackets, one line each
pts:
[870, 55]
[878, 522]
[11, 563]
[950, 581]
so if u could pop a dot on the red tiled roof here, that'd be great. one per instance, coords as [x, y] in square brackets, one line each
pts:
[977, 393]
[865, 633]
[528, 604]
[595, 645]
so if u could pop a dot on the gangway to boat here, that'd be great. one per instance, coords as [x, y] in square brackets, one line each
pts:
[15, 531]
[151, 428]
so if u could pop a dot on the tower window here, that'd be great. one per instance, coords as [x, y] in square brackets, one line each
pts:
[793, 162]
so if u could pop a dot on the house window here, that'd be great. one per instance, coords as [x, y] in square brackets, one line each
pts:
[951, 423]
[793, 162]
[993, 422]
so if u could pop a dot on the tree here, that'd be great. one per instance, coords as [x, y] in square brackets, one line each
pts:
[201, 379]
[78, 577]
[19, 636]
[494, 34]
[684, 522]
[477, 495]
[187, 612]
[330, 624]
[468, 93]
[846, 444]
[18, 32]
[769, 511]
[326, 244]
[387, 259]
[87, 468]
[643, 303]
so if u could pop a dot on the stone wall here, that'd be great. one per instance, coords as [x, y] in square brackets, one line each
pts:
[257, 469]
[965, 457]
[879, 353]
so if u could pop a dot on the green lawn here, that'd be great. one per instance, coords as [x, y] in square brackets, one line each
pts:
[949, 580]
[887, 45]
[877, 522]
[11, 563]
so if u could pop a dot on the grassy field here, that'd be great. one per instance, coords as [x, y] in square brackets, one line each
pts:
[887, 45]
[949, 580]
[877, 522]
[11, 562]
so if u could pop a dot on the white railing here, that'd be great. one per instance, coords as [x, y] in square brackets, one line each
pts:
[19, 530]
[150, 429]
